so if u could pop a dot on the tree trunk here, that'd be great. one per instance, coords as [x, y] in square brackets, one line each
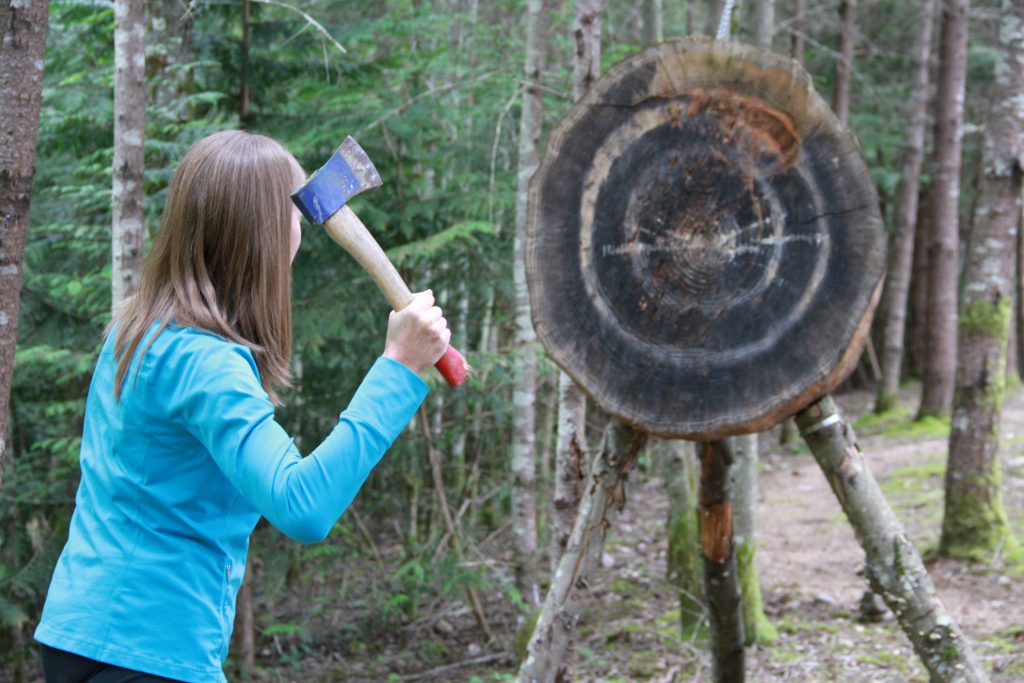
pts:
[244, 94]
[764, 23]
[169, 31]
[22, 41]
[712, 15]
[245, 629]
[943, 246]
[974, 525]
[524, 467]
[683, 563]
[571, 401]
[844, 62]
[129, 133]
[570, 459]
[721, 587]
[892, 566]
[653, 33]
[756, 627]
[796, 37]
[604, 493]
[901, 259]
[918, 305]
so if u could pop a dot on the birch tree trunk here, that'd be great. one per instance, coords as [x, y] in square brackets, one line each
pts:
[570, 459]
[892, 566]
[571, 401]
[23, 28]
[129, 133]
[524, 467]
[604, 493]
[844, 63]
[974, 525]
[943, 244]
[897, 287]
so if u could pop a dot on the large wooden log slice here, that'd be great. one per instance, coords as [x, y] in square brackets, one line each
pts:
[704, 249]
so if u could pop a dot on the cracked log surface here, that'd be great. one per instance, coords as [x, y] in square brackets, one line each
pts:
[892, 565]
[704, 249]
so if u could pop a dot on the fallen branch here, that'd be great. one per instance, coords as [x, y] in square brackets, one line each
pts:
[433, 673]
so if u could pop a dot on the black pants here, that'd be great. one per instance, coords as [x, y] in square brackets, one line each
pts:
[63, 667]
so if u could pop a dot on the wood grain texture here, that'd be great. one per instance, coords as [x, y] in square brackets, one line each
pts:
[704, 250]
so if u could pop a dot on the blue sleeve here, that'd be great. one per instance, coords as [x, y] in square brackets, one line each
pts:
[220, 401]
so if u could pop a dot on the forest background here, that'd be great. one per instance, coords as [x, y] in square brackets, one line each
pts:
[433, 89]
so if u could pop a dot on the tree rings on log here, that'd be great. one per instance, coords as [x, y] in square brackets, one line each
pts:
[704, 248]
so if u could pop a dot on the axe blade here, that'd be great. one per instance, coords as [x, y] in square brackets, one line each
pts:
[348, 172]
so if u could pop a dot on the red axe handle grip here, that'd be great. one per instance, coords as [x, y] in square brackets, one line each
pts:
[346, 229]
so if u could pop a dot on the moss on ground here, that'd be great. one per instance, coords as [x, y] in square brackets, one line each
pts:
[874, 422]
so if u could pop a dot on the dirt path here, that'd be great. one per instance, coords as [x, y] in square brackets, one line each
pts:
[809, 561]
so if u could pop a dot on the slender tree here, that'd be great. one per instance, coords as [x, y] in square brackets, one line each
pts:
[129, 132]
[571, 401]
[169, 37]
[22, 41]
[943, 243]
[683, 566]
[897, 286]
[524, 469]
[974, 525]
[796, 35]
[764, 23]
[756, 627]
[844, 64]
[652, 34]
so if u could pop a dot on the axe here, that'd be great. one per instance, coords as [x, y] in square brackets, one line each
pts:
[322, 199]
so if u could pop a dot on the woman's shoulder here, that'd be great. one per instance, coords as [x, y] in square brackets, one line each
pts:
[185, 349]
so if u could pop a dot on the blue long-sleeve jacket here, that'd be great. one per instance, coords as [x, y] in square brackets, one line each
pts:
[175, 476]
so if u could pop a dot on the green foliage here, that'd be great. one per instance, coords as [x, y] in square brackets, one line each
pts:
[431, 93]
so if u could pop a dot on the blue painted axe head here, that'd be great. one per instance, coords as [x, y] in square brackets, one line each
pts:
[348, 172]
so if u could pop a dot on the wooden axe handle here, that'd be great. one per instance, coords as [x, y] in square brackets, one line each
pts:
[346, 229]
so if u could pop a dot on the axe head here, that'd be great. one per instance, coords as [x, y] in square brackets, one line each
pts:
[348, 172]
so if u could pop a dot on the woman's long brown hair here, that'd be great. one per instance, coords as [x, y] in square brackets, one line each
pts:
[220, 261]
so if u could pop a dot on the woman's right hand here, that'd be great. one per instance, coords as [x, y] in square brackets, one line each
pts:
[418, 335]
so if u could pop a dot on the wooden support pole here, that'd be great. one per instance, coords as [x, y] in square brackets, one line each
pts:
[603, 493]
[721, 585]
[893, 565]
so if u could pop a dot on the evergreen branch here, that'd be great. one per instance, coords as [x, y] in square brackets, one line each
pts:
[423, 95]
[310, 20]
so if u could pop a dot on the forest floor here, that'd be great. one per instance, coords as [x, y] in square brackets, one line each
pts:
[808, 561]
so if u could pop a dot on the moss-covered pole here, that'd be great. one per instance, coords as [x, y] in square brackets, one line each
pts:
[603, 494]
[721, 584]
[893, 565]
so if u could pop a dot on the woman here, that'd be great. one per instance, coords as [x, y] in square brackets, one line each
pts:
[181, 454]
